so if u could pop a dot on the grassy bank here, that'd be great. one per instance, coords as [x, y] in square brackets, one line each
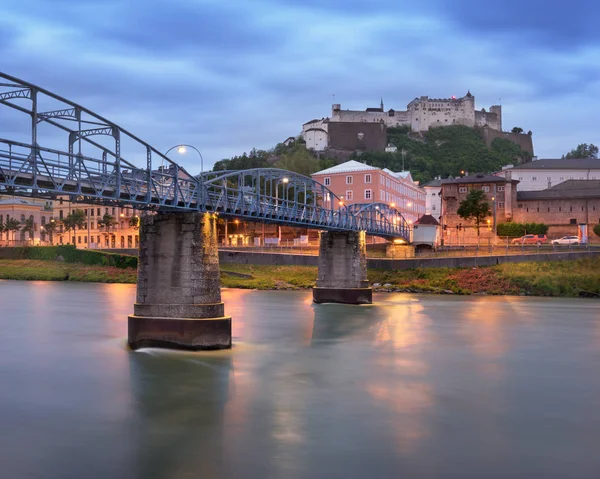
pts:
[568, 278]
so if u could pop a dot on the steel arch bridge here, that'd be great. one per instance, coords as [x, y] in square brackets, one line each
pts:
[92, 169]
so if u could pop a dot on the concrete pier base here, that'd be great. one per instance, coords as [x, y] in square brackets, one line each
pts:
[178, 302]
[343, 295]
[342, 276]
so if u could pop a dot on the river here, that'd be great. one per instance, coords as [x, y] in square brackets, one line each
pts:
[413, 386]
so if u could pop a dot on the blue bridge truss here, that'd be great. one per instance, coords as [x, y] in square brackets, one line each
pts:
[92, 169]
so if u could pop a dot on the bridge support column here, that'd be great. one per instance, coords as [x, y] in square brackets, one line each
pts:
[342, 276]
[178, 292]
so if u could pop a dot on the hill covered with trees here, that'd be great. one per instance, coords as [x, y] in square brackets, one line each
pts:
[439, 152]
[444, 151]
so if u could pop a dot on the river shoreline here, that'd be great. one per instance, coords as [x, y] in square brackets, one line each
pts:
[561, 279]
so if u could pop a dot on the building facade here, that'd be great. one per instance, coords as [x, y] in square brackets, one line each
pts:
[355, 182]
[25, 211]
[124, 233]
[562, 207]
[433, 198]
[543, 174]
[500, 193]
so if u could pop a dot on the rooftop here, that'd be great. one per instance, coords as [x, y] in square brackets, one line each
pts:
[559, 164]
[478, 178]
[347, 167]
[570, 189]
[427, 220]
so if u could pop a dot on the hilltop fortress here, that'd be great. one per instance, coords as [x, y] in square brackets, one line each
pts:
[339, 132]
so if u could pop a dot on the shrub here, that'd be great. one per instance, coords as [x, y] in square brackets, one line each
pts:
[73, 255]
[597, 230]
[515, 230]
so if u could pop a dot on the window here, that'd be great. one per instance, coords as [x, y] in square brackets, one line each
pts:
[520, 178]
[98, 211]
[485, 188]
[79, 239]
[501, 188]
[367, 194]
[462, 189]
[433, 207]
[349, 195]
[534, 178]
[327, 181]
[573, 221]
[60, 201]
[348, 180]
[501, 205]
[113, 212]
[91, 211]
[92, 225]
[367, 178]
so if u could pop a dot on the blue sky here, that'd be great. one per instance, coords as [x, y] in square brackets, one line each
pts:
[227, 76]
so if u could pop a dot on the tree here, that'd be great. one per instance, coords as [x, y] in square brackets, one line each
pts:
[474, 207]
[12, 225]
[28, 227]
[75, 219]
[50, 228]
[597, 230]
[134, 222]
[517, 129]
[583, 150]
[108, 221]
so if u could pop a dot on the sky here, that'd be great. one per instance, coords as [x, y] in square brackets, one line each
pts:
[230, 75]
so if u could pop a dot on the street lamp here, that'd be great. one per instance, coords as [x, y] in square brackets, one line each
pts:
[182, 150]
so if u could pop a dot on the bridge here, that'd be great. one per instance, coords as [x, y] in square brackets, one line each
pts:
[66, 149]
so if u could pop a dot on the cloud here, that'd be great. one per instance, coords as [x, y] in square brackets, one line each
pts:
[229, 76]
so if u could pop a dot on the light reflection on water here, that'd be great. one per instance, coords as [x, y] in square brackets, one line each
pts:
[413, 386]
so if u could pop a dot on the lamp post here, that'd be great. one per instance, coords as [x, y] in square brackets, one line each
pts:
[182, 150]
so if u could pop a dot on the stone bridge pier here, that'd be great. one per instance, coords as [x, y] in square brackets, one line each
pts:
[178, 302]
[342, 276]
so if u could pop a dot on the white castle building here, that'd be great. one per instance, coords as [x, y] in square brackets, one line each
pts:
[420, 114]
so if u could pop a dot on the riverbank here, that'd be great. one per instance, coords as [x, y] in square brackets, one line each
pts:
[579, 278]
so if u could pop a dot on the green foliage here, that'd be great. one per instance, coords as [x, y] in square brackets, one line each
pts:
[510, 151]
[444, 151]
[108, 221]
[517, 129]
[28, 227]
[73, 255]
[474, 207]
[12, 225]
[583, 150]
[256, 159]
[515, 230]
[74, 220]
[597, 230]
[134, 222]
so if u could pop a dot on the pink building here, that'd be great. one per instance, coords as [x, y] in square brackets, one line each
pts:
[356, 182]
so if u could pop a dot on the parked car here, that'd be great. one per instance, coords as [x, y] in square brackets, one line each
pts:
[530, 239]
[566, 240]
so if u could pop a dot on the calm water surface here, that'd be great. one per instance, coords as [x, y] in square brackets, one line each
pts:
[413, 386]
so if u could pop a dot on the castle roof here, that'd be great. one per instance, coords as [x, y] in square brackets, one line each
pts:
[559, 164]
[347, 167]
